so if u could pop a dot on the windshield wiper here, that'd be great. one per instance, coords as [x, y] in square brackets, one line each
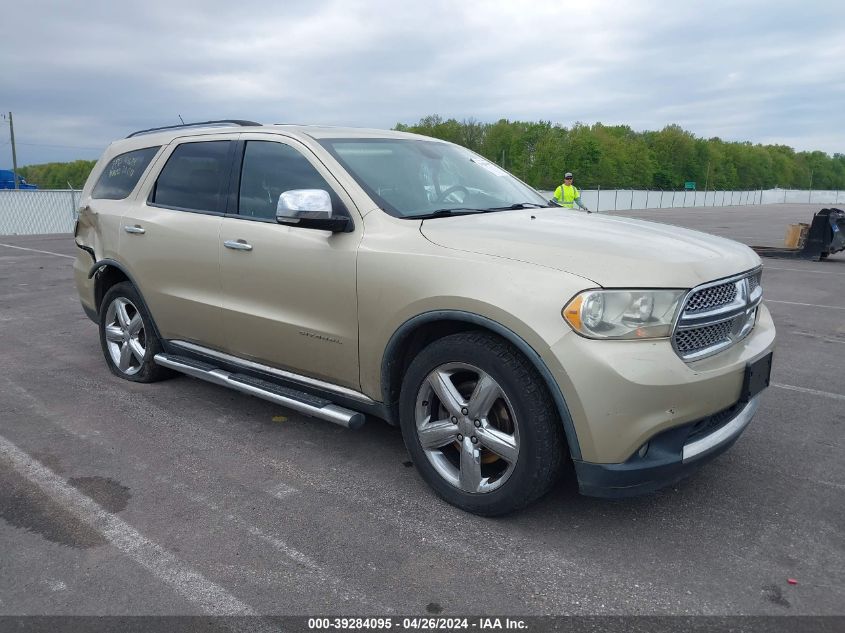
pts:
[443, 213]
[519, 205]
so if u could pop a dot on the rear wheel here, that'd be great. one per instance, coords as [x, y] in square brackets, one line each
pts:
[127, 337]
[479, 424]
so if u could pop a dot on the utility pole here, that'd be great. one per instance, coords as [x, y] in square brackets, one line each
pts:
[809, 197]
[14, 154]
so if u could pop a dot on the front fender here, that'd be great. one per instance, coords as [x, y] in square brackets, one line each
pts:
[392, 355]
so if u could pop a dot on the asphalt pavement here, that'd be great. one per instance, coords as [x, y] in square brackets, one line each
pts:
[185, 498]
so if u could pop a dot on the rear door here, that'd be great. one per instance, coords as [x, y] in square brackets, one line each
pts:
[170, 239]
[105, 201]
[289, 295]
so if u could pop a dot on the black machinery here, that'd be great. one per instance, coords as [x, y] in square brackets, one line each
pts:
[825, 236]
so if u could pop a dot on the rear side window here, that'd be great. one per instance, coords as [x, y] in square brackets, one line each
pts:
[122, 174]
[269, 169]
[194, 177]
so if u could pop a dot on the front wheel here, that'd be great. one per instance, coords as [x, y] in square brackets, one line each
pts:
[480, 425]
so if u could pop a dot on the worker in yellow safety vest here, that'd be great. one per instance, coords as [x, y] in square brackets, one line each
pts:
[567, 195]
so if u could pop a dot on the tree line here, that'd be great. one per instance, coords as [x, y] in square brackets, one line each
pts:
[58, 175]
[610, 156]
[617, 157]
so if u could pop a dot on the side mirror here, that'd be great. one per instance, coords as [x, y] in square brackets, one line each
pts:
[309, 209]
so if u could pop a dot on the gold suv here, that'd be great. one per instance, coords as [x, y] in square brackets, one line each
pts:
[345, 273]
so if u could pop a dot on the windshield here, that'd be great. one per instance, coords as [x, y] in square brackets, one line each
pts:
[411, 178]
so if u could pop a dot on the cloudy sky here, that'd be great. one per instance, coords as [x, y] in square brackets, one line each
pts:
[77, 75]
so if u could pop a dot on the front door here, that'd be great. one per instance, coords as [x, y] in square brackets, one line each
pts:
[289, 294]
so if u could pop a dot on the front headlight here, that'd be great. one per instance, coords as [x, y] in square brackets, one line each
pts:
[624, 314]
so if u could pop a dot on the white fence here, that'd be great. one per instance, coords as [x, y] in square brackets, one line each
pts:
[34, 212]
[626, 199]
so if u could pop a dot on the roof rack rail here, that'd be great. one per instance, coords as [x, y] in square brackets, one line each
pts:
[239, 122]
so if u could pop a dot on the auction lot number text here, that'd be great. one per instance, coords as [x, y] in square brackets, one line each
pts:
[417, 624]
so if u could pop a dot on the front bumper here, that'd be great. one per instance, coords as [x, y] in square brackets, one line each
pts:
[621, 394]
[670, 455]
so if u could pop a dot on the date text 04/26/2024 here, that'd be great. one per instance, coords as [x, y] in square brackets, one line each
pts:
[418, 623]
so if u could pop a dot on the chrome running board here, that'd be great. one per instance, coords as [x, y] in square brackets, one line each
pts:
[292, 399]
[305, 381]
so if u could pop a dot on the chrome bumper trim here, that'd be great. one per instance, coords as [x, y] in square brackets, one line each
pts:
[727, 433]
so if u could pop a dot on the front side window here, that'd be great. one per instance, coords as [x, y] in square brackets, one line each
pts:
[269, 169]
[411, 178]
[194, 177]
[122, 174]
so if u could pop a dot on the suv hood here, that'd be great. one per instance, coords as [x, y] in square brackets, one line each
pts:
[613, 252]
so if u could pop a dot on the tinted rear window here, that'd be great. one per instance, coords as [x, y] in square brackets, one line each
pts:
[194, 177]
[122, 174]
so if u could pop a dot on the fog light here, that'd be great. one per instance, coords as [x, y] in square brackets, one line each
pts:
[643, 450]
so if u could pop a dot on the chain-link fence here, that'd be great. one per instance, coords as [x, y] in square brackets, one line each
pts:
[35, 212]
[54, 211]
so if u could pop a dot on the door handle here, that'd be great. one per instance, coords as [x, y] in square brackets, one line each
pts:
[134, 229]
[238, 245]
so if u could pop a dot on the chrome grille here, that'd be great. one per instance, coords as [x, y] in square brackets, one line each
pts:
[717, 315]
[712, 297]
[696, 339]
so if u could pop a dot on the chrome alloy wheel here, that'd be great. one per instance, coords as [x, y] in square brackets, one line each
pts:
[126, 338]
[467, 427]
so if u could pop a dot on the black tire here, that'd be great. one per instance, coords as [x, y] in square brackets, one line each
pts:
[540, 442]
[140, 367]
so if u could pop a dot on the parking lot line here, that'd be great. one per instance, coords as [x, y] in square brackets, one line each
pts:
[319, 575]
[811, 305]
[804, 270]
[211, 598]
[815, 392]
[35, 250]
